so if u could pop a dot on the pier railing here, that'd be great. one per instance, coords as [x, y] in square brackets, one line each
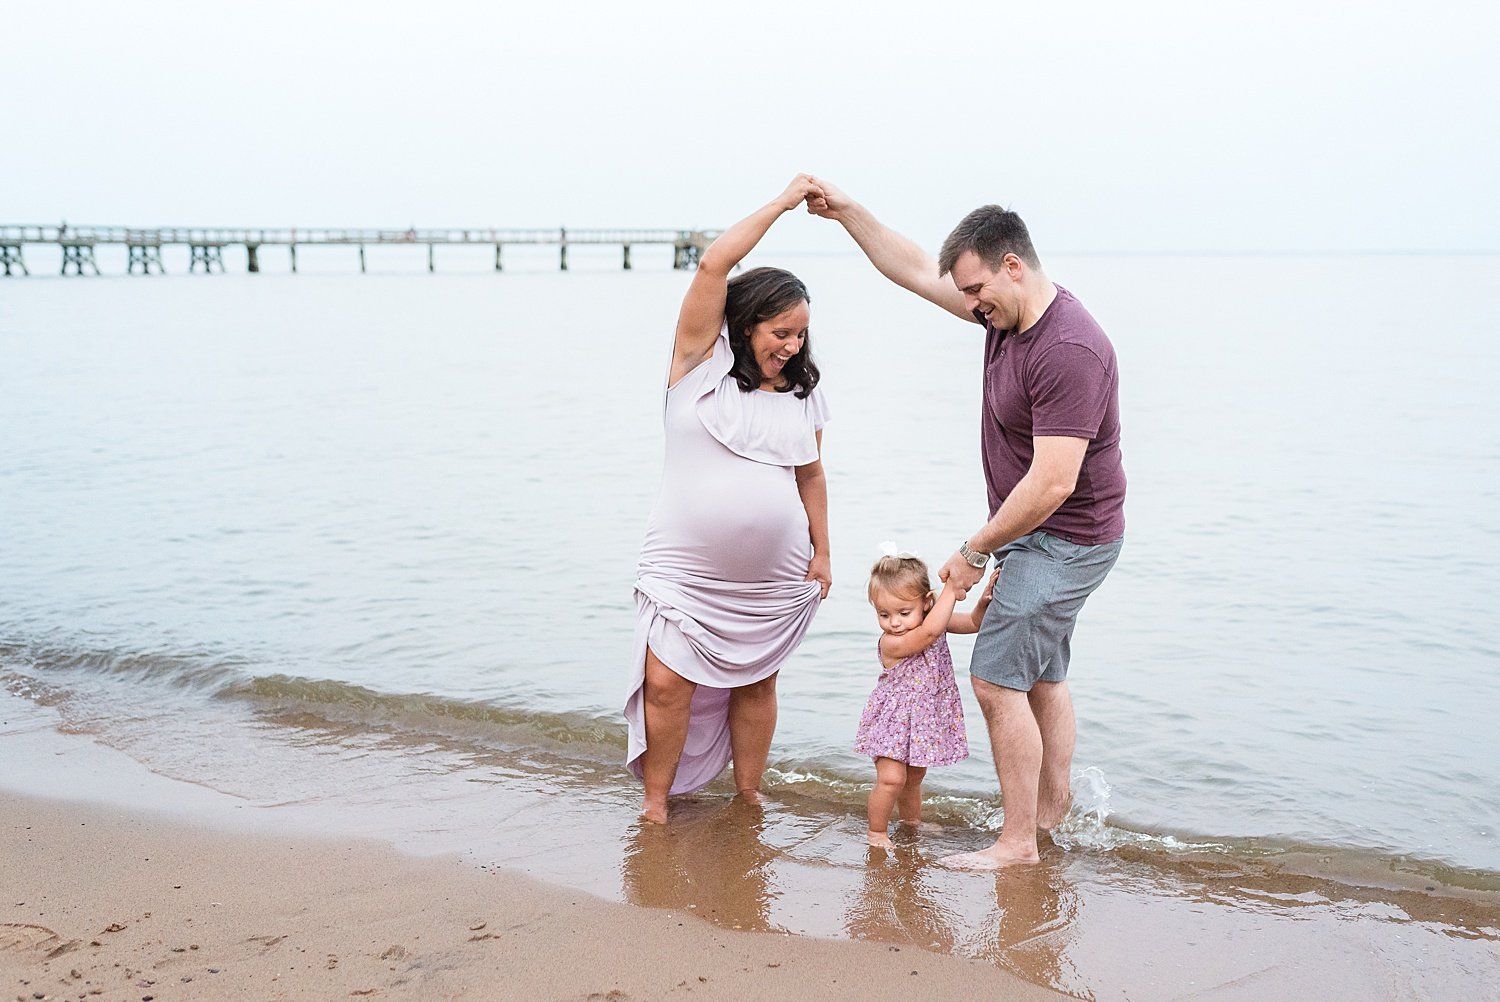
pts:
[206, 243]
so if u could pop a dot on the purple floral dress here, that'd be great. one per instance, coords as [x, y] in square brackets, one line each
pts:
[915, 714]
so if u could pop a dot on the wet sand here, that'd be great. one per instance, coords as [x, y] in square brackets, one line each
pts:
[586, 901]
[113, 903]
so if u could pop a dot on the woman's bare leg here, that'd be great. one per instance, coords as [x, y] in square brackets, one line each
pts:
[752, 722]
[668, 705]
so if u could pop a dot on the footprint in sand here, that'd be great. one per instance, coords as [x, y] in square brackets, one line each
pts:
[20, 936]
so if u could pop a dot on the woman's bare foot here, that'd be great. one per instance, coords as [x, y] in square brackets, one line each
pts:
[879, 840]
[996, 857]
[753, 797]
[654, 811]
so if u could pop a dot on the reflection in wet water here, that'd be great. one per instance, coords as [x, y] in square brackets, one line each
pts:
[1019, 920]
[896, 901]
[710, 860]
[1099, 920]
[1090, 924]
[1035, 911]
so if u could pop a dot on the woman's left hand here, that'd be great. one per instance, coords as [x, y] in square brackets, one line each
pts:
[820, 569]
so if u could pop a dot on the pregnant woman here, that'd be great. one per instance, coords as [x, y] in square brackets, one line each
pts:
[735, 561]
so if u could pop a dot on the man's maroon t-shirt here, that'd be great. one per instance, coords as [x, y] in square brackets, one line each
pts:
[1058, 377]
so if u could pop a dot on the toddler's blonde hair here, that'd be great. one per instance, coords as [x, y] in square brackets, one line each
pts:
[905, 576]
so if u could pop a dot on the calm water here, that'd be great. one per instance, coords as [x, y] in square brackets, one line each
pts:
[246, 515]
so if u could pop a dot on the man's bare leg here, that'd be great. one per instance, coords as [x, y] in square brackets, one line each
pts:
[1017, 743]
[752, 722]
[1052, 705]
[668, 707]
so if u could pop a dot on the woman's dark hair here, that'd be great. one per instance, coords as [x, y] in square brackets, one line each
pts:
[758, 295]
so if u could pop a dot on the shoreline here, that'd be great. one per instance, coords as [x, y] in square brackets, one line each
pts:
[431, 858]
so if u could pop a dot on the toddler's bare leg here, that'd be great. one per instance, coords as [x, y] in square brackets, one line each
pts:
[890, 780]
[910, 802]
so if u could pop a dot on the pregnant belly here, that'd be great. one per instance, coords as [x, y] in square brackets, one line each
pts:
[746, 526]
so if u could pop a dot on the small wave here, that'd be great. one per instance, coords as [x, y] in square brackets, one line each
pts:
[424, 713]
[344, 711]
[193, 672]
[38, 670]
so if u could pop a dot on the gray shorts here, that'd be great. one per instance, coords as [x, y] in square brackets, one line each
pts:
[1026, 633]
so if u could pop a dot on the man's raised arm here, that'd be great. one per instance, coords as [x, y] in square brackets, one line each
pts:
[894, 256]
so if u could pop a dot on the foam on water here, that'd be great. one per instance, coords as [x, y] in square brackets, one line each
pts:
[246, 736]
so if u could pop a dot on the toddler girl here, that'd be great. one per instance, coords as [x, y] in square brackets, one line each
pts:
[914, 718]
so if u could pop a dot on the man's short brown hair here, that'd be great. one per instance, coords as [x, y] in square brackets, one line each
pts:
[990, 232]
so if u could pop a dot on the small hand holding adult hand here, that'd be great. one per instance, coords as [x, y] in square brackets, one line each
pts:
[986, 595]
[820, 569]
[958, 573]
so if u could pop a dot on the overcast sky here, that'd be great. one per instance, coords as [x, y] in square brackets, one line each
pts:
[1311, 125]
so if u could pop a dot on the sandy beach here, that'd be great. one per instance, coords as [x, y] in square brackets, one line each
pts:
[123, 882]
[111, 903]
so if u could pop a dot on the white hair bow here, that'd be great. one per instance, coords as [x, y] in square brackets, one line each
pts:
[890, 549]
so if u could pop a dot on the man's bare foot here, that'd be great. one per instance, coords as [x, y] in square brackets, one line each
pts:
[753, 797]
[655, 813]
[995, 857]
[879, 840]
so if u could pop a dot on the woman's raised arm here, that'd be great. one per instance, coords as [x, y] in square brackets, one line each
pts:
[703, 307]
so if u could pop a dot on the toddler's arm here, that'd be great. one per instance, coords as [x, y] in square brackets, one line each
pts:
[924, 636]
[969, 622]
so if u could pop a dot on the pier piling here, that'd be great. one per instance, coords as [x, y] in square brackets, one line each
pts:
[79, 254]
[10, 256]
[211, 256]
[206, 244]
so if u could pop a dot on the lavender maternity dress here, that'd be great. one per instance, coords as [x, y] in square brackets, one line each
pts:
[720, 592]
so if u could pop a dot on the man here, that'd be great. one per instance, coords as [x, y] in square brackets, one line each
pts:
[1050, 436]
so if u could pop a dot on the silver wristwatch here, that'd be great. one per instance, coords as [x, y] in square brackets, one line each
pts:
[976, 559]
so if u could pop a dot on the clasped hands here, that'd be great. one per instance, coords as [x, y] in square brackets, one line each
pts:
[820, 197]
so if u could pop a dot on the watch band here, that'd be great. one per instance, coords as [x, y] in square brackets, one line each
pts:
[975, 558]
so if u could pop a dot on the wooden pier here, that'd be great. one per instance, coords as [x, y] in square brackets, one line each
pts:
[206, 244]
